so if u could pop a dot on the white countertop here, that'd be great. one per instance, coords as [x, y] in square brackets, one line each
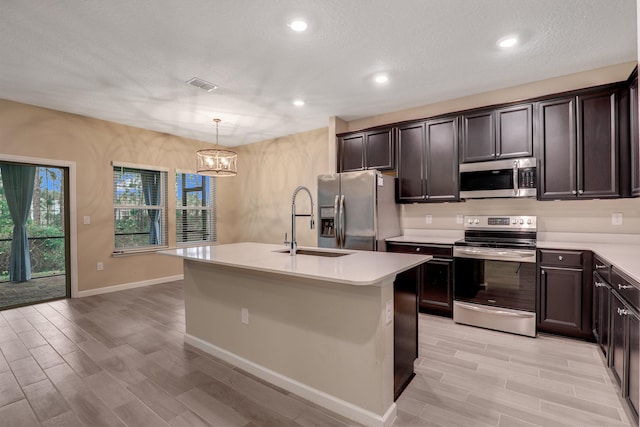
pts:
[360, 268]
[423, 240]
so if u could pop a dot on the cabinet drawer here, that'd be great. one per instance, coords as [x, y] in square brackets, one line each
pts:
[627, 288]
[602, 267]
[561, 258]
[441, 250]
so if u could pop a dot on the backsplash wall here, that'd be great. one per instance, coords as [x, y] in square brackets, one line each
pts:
[579, 216]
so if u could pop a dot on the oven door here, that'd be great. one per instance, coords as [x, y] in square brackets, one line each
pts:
[495, 277]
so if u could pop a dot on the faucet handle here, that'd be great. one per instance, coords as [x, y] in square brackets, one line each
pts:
[286, 242]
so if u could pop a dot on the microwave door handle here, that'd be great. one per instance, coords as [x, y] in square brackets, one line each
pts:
[516, 189]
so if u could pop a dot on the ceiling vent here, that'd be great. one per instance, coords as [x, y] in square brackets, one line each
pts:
[202, 84]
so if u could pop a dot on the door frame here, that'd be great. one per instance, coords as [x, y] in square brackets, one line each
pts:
[73, 228]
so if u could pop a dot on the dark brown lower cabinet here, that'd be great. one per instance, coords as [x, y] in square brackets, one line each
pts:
[405, 328]
[564, 293]
[625, 340]
[436, 278]
[601, 313]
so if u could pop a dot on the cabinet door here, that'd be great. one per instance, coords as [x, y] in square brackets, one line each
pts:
[352, 152]
[478, 138]
[635, 138]
[560, 301]
[514, 131]
[600, 316]
[442, 160]
[618, 331]
[405, 327]
[411, 146]
[436, 288]
[633, 372]
[379, 149]
[557, 143]
[597, 146]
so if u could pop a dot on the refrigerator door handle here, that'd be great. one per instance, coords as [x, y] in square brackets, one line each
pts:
[336, 219]
[342, 222]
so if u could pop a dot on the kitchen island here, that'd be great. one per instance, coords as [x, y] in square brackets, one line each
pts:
[318, 326]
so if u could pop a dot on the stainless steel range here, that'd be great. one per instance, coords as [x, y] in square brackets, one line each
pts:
[495, 274]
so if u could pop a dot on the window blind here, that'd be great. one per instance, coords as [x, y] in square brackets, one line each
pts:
[140, 208]
[195, 209]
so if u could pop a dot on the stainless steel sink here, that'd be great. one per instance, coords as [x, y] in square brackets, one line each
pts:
[315, 253]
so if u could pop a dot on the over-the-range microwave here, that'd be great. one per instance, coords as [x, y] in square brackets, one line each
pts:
[498, 178]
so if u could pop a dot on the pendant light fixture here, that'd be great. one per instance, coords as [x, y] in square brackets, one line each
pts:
[216, 162]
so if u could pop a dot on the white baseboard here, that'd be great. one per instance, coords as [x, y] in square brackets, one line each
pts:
[131, 285]
[332, 403]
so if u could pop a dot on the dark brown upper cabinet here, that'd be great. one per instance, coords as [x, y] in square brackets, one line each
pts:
[428, 161]
[579, 147]
[372, 149]
[497, 134]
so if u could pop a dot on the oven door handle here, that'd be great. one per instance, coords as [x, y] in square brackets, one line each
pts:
[495, 311]
[495, 254]
[515, 178]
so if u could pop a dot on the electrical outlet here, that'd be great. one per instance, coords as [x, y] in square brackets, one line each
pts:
[388, 312]
[459, 219]
[428, 219]
[616, 218]
[244, 315]
[99, 266]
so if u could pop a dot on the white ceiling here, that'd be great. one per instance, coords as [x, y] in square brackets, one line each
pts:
[128, 61]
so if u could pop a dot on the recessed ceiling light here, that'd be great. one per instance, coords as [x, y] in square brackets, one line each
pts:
[508, 41]
[381, 78]
[299, 102]
[298, 25]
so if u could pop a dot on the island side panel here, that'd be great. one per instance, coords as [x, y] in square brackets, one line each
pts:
[331, 337]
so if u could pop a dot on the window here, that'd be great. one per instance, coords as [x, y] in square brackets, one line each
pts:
[140, 208]
[195, 208]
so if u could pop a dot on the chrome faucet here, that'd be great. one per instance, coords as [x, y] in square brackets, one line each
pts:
[293, 245]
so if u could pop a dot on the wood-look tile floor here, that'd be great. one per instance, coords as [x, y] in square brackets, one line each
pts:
[119, 359]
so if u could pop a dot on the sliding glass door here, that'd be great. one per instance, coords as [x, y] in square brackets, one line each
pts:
[34, 240]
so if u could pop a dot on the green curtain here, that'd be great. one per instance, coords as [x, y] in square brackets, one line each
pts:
[18, 181]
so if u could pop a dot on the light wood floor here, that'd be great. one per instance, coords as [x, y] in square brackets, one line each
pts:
[119, 360]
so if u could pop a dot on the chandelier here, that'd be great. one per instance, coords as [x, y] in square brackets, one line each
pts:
[216, 162]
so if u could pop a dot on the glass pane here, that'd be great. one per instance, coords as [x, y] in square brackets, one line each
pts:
[132, 227]
[193, 225]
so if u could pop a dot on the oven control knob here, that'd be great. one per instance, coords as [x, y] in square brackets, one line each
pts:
[521, 221]
[476, 221]
[514, 221]
[470, 221]
[529, 221]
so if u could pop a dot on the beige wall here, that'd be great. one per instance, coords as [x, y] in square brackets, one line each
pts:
[268, 173]
[93, 144]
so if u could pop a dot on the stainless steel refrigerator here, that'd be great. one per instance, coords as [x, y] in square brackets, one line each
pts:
[357, 210]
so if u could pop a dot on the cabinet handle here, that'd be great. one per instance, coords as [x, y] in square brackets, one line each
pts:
[560, 258]
[573, 192]
[543, 272]
[623, 312]
[580, 191]
[599, 284]
[418, 249]
[600, 267]
[621, 287]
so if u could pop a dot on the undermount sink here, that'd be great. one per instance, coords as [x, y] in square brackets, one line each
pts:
[314, 252]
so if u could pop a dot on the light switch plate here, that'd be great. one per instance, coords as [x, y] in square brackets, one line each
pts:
[388, 312]
[86, 220]
[428, 219]
[616, 218]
